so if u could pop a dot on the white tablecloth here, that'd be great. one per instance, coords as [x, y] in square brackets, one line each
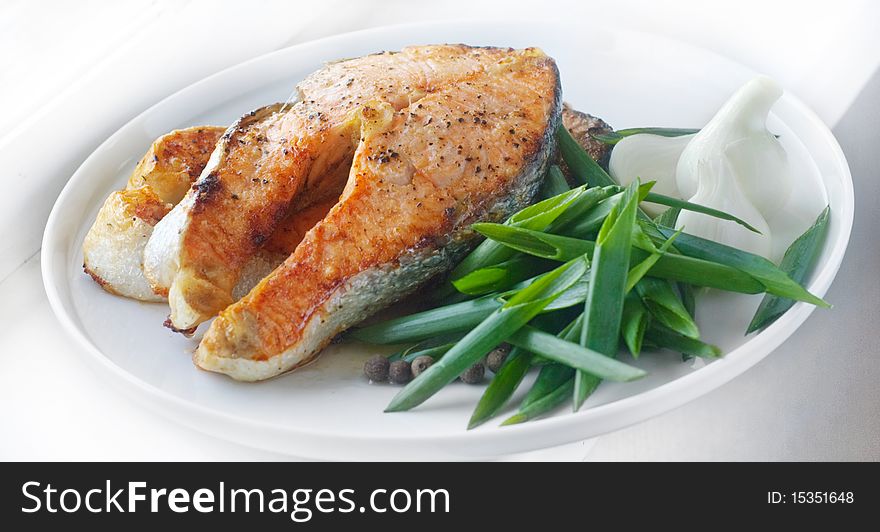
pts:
[72, 73]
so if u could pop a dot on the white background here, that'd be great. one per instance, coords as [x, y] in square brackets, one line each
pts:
[72, 73]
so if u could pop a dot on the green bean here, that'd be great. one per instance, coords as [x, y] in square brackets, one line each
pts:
[661, 336]
[542, 405]
[669, 217]
[634, 324]
[664, 305]
[637, 272]
[583, 168]
[545, 392]
[704, 273]
[502, 386]
[537, 243]
[797, 263]
[550, 377]
[688, 299]
[603, 308]
[500, 276]
[574, 355]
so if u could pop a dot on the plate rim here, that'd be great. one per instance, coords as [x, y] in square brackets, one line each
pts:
[554, 430]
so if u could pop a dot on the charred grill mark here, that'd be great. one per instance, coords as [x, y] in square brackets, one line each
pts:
[207, 191]
[208, 187]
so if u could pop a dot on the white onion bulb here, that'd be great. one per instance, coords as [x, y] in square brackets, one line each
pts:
[733, 164]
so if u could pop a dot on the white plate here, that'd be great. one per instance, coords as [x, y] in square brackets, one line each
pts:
[328, 410]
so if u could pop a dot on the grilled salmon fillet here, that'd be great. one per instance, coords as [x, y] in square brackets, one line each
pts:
[441, 136]
[113, 248]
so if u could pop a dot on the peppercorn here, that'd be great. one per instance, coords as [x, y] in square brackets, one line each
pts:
[420, 364]
[376, 368]
[474, 374]
[400, 372]
[496, 357]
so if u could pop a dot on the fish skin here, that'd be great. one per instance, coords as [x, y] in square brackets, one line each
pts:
[399, 221]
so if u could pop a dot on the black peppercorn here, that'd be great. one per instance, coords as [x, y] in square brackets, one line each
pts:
[400, 372]
[376, 368]
[496, 357]
[420, 364]
[474, 374]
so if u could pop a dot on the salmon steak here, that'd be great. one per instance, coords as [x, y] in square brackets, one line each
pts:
[409, 147]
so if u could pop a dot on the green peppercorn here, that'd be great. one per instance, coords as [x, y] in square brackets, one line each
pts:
[496, 357]
[474, 374]
[420, 364]
[400, 372]
[376, 368]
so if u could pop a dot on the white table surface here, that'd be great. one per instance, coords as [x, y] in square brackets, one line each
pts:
[73, 73]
